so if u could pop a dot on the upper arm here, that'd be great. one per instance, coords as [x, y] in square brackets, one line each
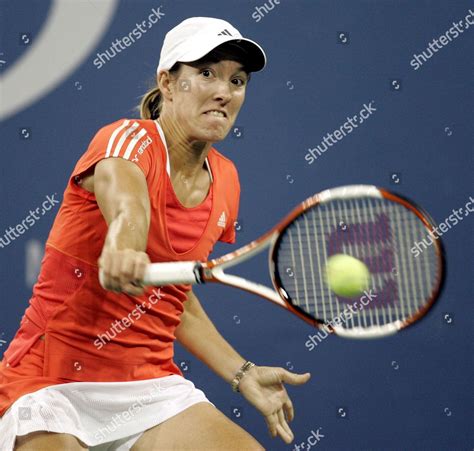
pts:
[119, 184]
[119, 158]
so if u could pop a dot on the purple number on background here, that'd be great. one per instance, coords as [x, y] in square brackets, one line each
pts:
[376, 238]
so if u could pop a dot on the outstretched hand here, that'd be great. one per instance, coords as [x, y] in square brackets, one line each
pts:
[263, 387]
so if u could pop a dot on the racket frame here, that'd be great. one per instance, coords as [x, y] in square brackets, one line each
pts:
[356, 191]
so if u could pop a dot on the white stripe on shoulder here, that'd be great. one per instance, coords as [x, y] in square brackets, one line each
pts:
[113, 136]
[127, 133]
[163, 140]
[133, 143]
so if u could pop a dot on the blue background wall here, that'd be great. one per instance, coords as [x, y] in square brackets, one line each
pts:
[410, 391]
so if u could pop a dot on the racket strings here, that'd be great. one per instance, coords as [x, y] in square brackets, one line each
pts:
[378, 232]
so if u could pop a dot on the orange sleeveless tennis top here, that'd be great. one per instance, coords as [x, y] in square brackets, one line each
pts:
[77, 331]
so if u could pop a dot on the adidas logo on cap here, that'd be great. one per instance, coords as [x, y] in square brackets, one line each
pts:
[224, 33]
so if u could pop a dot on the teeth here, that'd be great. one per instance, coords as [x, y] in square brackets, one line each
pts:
[216, 113]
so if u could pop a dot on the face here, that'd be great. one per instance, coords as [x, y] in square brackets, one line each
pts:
[205, 99]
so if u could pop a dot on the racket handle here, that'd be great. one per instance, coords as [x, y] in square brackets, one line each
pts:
[159, 274]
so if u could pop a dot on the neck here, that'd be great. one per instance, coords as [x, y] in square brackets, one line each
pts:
[187, 157]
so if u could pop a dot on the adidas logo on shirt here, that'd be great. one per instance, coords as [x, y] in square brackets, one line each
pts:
[222, 220]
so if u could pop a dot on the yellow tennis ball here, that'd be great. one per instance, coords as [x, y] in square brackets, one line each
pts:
[347, 276]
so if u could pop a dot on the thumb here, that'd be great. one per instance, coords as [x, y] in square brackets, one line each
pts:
[294, 378]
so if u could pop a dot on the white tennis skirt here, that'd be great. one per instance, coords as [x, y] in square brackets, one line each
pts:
[104, 415]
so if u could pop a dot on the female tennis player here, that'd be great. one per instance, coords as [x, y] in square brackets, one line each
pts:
[91, 366]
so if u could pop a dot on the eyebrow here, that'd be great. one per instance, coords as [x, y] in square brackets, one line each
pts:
[210, 63]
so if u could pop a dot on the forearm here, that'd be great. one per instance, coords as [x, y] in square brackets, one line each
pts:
[200, 337]
[128, 230]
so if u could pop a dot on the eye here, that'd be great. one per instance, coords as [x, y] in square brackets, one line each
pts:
[238, 81]
[206, 72]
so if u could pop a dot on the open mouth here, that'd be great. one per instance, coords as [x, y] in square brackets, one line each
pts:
[216, 113]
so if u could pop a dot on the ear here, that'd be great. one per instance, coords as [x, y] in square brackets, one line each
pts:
[163, 80]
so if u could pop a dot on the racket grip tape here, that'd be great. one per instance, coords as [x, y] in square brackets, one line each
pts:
[159, 274]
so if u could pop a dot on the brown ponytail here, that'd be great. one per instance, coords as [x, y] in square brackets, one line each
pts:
[150, 105]
[152, 101]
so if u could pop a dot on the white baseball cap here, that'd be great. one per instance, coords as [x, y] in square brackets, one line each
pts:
[195, 37]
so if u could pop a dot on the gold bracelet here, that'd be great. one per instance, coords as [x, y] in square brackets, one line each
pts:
[243, 369]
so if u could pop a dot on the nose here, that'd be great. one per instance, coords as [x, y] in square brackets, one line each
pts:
[223, 91]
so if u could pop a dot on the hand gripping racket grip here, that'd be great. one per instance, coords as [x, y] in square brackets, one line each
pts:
[159, 274]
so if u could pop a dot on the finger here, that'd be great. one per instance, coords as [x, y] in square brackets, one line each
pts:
[111, 283]
[115, 287]
[103, 263]
[139, 272]
[104, 259]
[127, 269]
[289, 409]
[132, 289]
[114, 273]
[131, 280]
[271, 421]
[283, 434]
[284, 425]
[293, 378]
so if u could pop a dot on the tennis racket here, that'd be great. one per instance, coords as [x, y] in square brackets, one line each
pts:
[371, 224]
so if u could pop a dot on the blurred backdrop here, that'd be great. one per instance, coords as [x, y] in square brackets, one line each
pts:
[66, 70]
